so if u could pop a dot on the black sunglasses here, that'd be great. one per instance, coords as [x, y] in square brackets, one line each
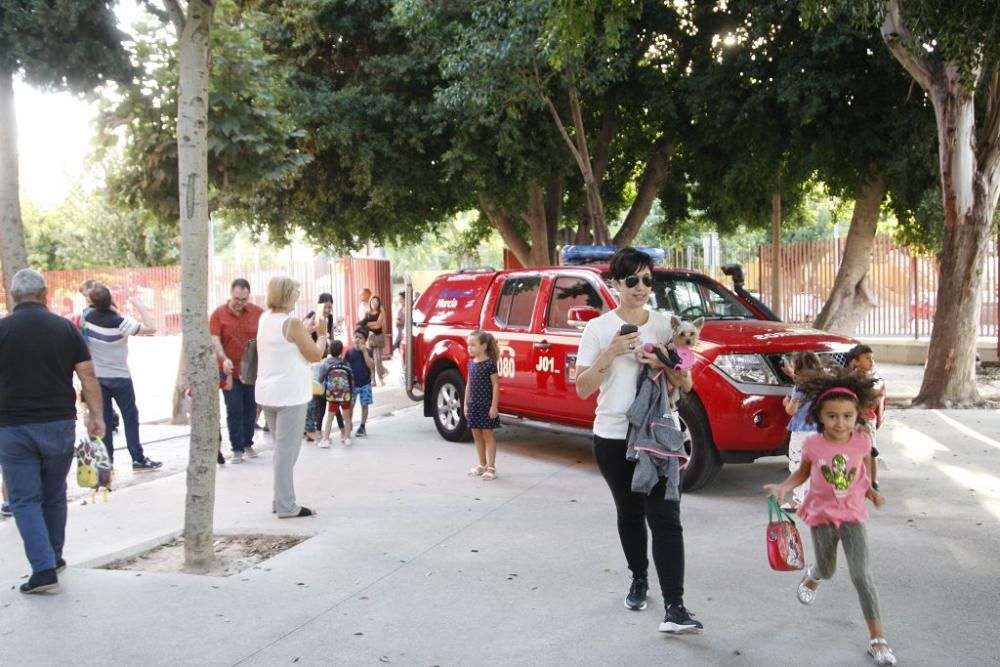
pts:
[632, 281]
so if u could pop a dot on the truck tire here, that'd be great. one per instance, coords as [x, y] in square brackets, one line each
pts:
[705, 461]
[448, 411]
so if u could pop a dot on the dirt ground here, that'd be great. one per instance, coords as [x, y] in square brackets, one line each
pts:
[233, 554]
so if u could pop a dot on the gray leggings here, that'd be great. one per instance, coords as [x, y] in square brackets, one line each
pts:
[855, 540]
[286, 429]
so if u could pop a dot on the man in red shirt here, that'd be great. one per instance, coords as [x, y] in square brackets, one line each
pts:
[233, 325]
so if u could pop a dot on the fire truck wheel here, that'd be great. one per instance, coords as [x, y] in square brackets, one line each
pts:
[705, 461]
[449, 413]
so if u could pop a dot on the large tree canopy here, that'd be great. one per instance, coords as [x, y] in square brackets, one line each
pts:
[952, 51]
[60, 44]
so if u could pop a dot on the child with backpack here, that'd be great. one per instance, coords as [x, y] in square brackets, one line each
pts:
[837, 462]
[797, 407]
[317, 406]
[338, 389]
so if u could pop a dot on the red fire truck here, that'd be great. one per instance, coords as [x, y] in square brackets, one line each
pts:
[734, 413]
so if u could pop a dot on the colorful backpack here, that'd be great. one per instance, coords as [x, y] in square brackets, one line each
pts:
[93, 467]
[338, 386]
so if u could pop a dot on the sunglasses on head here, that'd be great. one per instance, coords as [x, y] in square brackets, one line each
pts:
[632, 281]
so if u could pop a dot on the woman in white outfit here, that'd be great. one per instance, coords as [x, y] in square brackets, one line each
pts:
[284, 384]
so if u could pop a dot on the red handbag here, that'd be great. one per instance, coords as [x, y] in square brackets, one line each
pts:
[784, 545]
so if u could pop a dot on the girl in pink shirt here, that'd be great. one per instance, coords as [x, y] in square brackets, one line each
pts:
[837, 463]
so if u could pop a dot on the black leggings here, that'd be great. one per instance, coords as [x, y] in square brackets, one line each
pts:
[634, 511]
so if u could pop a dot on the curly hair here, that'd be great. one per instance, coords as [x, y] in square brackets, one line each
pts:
[857, 388]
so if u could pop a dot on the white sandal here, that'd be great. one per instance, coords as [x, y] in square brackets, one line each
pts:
[880, 652]
[805, 594]
[490, 474]
[477, 471]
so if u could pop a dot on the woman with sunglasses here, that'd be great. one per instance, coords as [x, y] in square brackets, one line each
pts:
[609, 361]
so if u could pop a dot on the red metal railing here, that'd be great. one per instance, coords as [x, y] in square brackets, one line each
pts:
[904, 286]
[160, 287]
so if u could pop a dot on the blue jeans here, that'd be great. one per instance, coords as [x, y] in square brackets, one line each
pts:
[122, 390]
[36, 459]
[241, 414]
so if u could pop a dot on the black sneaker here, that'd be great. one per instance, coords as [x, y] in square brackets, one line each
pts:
[60, 565]
[5, 510]
[636, 598]
[678, 621]
[361, 431]
[146, 464]
[220, 459]
[41, 581]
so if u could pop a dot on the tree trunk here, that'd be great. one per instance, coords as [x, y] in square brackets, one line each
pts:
[178, 414]
[553, 209]
[192, 149]
[535, 252]
[776, 256]
[970, 198]
[13, 255]
[652, 180]
[970, 184]
[581, 155]
[850, 300]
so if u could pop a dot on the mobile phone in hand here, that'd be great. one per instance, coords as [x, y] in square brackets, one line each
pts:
[627, 329]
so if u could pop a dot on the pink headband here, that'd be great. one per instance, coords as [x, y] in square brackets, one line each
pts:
[836, 390]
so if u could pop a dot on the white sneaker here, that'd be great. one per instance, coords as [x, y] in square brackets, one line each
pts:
[237, 458]
[324, 444]
[346, 442]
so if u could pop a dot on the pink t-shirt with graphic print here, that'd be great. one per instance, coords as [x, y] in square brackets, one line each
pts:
[838, 480]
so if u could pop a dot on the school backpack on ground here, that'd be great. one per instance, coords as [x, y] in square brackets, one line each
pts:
[93, 467]
[338, 385]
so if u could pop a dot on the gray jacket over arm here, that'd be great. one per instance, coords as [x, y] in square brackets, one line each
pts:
[654, 441]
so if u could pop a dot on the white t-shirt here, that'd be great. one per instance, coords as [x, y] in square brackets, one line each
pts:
[617, 391]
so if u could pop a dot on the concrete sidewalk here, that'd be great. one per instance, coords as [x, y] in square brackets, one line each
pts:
[411, 562]
[902, 383]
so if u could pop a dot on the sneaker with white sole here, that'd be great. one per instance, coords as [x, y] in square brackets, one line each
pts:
[237, 458]
[678, 621]
[251, 452]
[346, 442]
[636, 598]
[324, 444]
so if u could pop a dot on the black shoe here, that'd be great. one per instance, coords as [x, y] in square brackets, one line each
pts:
[678, 621]
[636, 598]
[39, 582]
[220, 459]
[361, 431]
[60, 565]
[146, 464]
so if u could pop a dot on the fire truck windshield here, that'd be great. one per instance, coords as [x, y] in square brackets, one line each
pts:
[688, 297]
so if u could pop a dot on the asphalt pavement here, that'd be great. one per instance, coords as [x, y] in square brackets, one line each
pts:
[410, 562]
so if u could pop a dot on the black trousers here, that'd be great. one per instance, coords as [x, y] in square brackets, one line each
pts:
[635, 510]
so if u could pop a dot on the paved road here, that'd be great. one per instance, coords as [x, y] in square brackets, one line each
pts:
[410, 562]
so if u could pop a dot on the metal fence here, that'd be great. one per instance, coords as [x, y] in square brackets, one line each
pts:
[160, 287]
[903, 284]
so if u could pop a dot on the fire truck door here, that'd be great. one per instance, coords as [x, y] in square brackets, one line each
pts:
[512, 318]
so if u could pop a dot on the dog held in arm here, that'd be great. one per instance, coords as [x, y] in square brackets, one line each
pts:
[677, 353]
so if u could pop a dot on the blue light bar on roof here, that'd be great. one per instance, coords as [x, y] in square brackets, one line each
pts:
[577, 255]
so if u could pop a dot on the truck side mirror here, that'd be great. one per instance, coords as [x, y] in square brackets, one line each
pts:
[579, 315]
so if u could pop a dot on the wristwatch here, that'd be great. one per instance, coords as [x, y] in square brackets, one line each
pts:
[875, 484]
